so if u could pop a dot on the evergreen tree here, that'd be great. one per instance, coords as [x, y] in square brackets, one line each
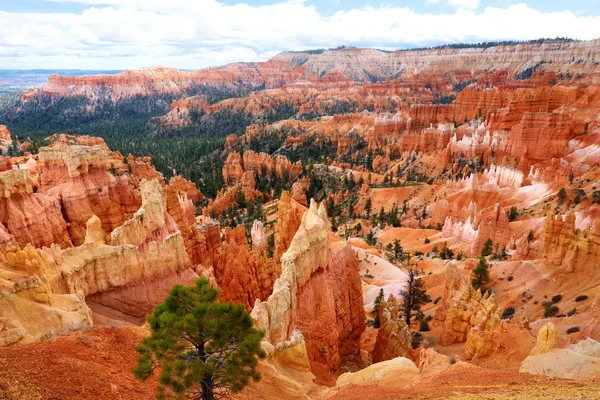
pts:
[513, 213]
[370, 239]
[413, 297]
[381, 216]
[481, 274]
[487, 248]
[203, 349]
[571, 177]
[376, 303]
[395, 251]
[562, 194]
[446, 253]
[368, 206]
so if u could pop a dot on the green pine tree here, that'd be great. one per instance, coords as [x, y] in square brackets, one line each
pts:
[201, 349]
[487, 248]
[376, 303]
[413, 297]
[481, 274]
[368, 206]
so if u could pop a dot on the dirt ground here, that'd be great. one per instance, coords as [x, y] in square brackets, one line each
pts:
[97, 365]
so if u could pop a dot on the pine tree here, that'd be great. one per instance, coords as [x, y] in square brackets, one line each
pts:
[368, 206]
[487, 248]
[481, 274]
[446, 253]
[395, 251]
[413, 297]
[571, 177]
[513, 214]
[376, 303]
[562, 194]
[203, 349]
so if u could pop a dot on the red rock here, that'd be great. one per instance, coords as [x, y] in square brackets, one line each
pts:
[236, 272]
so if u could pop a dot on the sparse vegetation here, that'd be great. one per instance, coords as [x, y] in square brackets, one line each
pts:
[413, 297]
[573, 329]
[581, 298]
[508, 313]
[556, 299]
[376, 304]
[481, 274]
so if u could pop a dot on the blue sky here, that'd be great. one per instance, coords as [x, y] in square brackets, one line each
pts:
[583, 7]
[123, 34]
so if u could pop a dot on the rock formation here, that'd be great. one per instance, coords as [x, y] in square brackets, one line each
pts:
[332, 325]
[393, 338]
[566, 248]
[468, 316]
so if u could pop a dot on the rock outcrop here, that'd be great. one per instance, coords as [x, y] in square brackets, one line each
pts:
[29, 217]
[568, 249]
[577, 362]
[393, 338]
[78, 176]
[319, 294]
[469, 316]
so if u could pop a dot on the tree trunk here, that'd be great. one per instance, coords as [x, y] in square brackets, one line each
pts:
[207, 387]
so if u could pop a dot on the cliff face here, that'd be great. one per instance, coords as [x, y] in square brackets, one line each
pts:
[568, 249]
[78, 176]
[29, 217]
[338, 67]
[259, 164]
[57, 254]
[393, 338]
[468, 316]
[319, 294]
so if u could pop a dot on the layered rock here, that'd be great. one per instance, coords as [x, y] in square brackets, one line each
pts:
[469, 316]
[78, 176]
[29, 217]
[576, 362]
[289, 215]
[236, 272]
[5, 139]
[258, 164]
[567, 248]
[393, 338]
[318, 293]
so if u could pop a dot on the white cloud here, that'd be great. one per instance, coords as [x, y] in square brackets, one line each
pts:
[465, 4]
[117, 34]
[460, 4]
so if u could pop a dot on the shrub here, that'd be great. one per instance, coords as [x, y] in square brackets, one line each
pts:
[481, 275]
[549, 309]
[453, 359]
[513, 214]
[437, 300]
[562, 194]
[487, 248]
[556, 299]
[581, 298]
[573, 329]
[424, 327]
[572, 312]
[417, 338]
[508, 313]
[510, 278]
[427, 241]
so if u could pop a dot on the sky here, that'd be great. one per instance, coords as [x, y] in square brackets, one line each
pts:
[193, 34]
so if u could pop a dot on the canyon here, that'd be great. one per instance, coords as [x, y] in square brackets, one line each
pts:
[349, 169]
